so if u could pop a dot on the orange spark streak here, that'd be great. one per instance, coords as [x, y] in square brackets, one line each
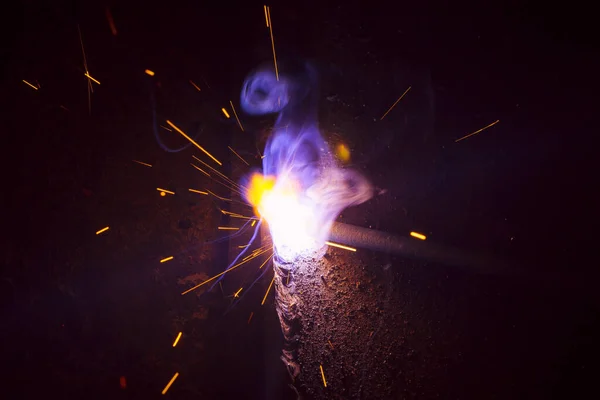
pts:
[218, 197]
[323, 375]
[340, 246]
[267, 15]
[253, 223]
[215, 277]
[266, 261]
[198, 191]
[33, 86]
[240, 157]
[165, 191]
[193, 142]
[272, 42]
[476, 132]
[225, 112]
[268, 290]
[142, 163]
[195, 86]
[87, 74]
[329, 341]
[250, 318]
[102, 230]
[393, 105]
[166, 129]
[227, 228]
[149, 72]
[166, 259]
[200, 169]
[170, 383]
[418, 235]
[236, 117]
[177, 339]
[236, 294]
[111, 22]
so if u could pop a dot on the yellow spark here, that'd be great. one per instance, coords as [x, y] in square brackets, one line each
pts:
[240, 157]
[270, 25]
[194, 85]
[165, 191]
[227, 228]
[253, 223]
[329, 341]
[165, 128]
[393, 105]
[266, 16]
[166, 259]
[250, 317]
[142, 163]
[476, 132]
[236, 116]
[200, 169]
[242, 247]
[177, 339]
[87, 74]
[162, 194]
[90, 88]
[33, 86]
[341, 246]
[225, 112]
[215, 277]
[102, 230]
[149, 72]
[323, 375]
[219, 197]
[266, 261]
[268, 290]
[170, 383]
[236, 294]
[198, 191]
[192, 140]
[418, 235]
[234, 186]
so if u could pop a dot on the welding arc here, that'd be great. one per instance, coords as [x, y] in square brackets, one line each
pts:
[365, 238]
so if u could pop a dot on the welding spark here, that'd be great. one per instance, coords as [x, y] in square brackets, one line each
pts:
[195, 86]
[477, 131]
[198, 191]
[142, 163]
[418, 235]
[268, 290]
[166, 259]
[225, 112]
[149, 72]
[177, 339]
[227, 228]
[267, 15]
[87, 74]
[270, 26]
[340, 246]
[165, 191]
[237, 294]
[323, 376]
[193, 142]
[200, 169]
[250, 317]
[394, 105]
[33, 86]
[236, 116]
[240, 157]
[170, 383]
[102, 230]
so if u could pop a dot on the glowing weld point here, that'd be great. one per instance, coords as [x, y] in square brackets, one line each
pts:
[340, 246]
[177, 339]
[323, 375]
[149, 72]
[225, 112]
[418, 235]
[142, 163]
[87, 74]
[102, 230]
[476, 132]
[164, 191]
[170, 383]
[198, 191]
[193, 142]
[166, 259]
[227, 228]
[33, 86]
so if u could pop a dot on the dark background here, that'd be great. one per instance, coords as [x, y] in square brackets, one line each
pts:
[80, 311]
